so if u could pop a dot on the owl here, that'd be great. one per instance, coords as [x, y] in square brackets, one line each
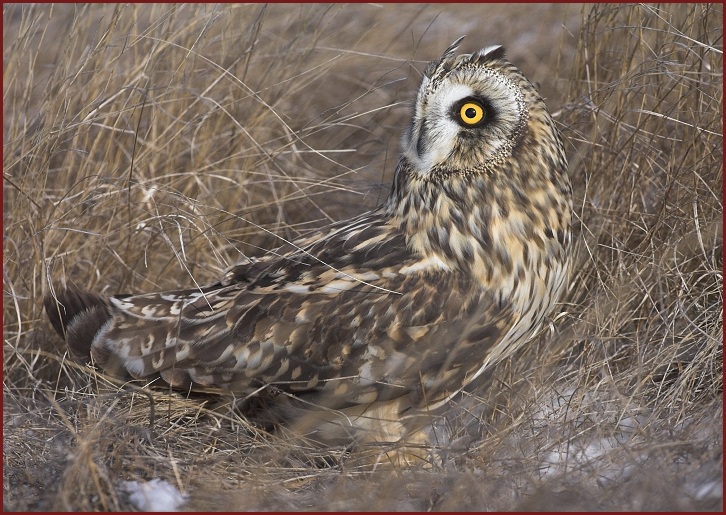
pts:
[370, 328]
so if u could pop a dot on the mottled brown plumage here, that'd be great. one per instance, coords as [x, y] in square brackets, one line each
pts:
[359, 331]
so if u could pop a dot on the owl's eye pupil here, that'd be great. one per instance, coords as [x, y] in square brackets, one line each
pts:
[471, 112]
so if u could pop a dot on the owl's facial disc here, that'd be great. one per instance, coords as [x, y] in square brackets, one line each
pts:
[471, 117]
[434, 130]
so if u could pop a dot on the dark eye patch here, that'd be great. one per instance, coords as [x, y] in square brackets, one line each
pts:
[489, 112]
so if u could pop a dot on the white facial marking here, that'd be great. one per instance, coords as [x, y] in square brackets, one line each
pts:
[440, 130]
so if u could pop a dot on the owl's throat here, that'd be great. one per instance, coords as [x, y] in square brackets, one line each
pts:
[465, 223]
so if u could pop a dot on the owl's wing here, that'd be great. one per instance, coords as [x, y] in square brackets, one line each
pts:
[351, 319]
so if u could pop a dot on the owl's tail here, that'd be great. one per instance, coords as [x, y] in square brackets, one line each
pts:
[77, 316]
[176, 335]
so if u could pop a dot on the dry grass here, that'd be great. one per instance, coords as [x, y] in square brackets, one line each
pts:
[151, 146]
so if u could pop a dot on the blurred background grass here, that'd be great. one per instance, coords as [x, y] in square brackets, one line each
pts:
[151, 146]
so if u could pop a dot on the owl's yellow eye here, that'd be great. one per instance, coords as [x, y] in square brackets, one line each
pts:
[471, 113]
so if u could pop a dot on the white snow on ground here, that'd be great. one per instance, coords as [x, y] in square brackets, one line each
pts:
[601, 452]
[154, 495]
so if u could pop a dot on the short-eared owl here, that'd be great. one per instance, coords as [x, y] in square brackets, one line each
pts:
[362, 331]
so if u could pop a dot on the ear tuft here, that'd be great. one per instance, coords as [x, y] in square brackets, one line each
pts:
[436, 69]
[489, 53]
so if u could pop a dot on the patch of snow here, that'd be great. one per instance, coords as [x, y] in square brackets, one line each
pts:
[706, 490]
[154, 495]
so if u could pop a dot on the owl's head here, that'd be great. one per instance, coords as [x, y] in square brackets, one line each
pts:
[471, 112]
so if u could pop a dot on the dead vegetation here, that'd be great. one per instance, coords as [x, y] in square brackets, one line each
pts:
[151, 146]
